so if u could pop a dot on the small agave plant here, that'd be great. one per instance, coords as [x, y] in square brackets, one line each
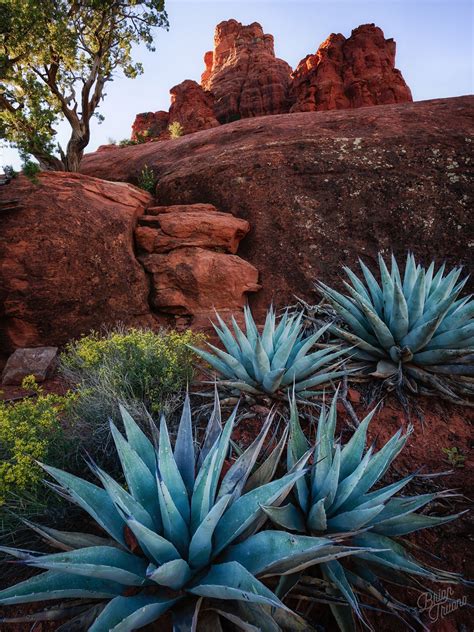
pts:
[180, 537]
[270, 362]
[336, 496]
[416, 330]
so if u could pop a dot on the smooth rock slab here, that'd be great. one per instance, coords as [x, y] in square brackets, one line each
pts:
[39, 361]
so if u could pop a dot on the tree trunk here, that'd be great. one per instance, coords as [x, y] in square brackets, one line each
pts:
[75, 150]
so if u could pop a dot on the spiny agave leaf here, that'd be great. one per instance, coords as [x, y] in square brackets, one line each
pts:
[100, 562]
[374, 288]
[247, 350]
[317, 519]
[395, 273]
[358, 342]
[185, 618]
[404, 505]
[237, 368]
[357, 284]
[140, 480]
[383, 494]
[382, 332]
[281, 327]
[94, 500]
[399, 319]
[346, 486]
[265, 473]
[287, 516]
[387, 288]
[297, 441]
[240, 623]
[227, 338]
[236, 477]
[413, 522]
[123, 614]
[240, 386]
[246, 509]
[184, 447]
[170, 473]
[213, 430]
[354, 448]
[200, 548]
[217, 364]
[122, 500]
[335, 573]
[175, 528]
[310, 364]
[349, 310]
[53, 586]
[232, 581]
[354, 519]
[251, 327]
[138, 440]
[157, 547]
[285, 346]
[452, 339]
[439, 292]
[310, 342]
[463, 314]
[268, 332]
[328, 489]
[420, 336]
[324, 378]
[416, 300]
[173, 574]
[434, 356]
[68, 540]
[272, 380]
[410, 275]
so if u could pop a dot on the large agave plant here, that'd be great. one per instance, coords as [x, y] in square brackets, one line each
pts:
[179, 537]
[274, 360]
[336, 496]
[415, 330]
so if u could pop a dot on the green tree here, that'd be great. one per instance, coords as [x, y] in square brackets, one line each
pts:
[56, 56]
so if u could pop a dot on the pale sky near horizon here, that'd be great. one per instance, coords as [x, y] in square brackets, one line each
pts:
[435, 49]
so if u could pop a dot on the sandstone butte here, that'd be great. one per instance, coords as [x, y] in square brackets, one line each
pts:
[303, 193]
[243, 78]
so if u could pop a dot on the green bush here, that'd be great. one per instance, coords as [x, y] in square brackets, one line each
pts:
[147, 179]
[141, 369]
[175, 129]
[30, 431]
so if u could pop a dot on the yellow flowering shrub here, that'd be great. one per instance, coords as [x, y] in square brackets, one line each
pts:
[30, 430]
[133, 366]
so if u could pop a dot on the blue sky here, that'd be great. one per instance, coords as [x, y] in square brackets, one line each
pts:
[435, 49]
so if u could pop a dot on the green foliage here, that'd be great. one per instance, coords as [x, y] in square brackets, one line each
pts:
[175, 129]
[416, 332]
[9, 172]
[337, 496]
[56, 58]
[30, 430]
[143, 370]
[454, 456]
[180, 532]
[31, 169]
[271, 362]
[147, 180]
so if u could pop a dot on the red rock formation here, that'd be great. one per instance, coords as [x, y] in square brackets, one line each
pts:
[349, 73]
[192, 107]
[243, 73]
[321, 189]
[150, 125]
[66, 258]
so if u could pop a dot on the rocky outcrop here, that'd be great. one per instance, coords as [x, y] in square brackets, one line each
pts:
[185, 250]
[150, 125]
[349, 73]
[67, 262]
[192, 107]
[243, 73]
[40, 362]
[321, 189]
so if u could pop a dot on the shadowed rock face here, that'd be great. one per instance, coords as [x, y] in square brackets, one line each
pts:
[192, 107]
[320, 189]
[66, 258]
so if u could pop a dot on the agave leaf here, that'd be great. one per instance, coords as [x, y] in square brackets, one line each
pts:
[173, 574]
[297, 441]
[232, 581]
[265, 473]
[238, 369]
[250, 326]
[288, 516]
[317, 519]
[353, 519]
[399, 319]
[323, 378]
[383, 494]
[413, 522]
[157, 547]
[217, 364]
[246, 509]
[227, 338]
[200, 548]
[237, 621]
[170, 473]
[346, 486]
[374, 288]
[53, 585]
[123, 614]
[100, 562]
[387, 288]
[335, 573]
[328, 489]
[410, 276]
[184, 447]
[236, 477]
[453, 339]
[247, 350]
[68, 540]
[435, 356]
[354, 448]
[268, 332]
[138, 440]
[463, 314]
[272, 380]
[309, 342]
[94, 500]
[140, 480]
[358, 342]
[416, 301]
[310, 364]
[175, 527]
[284, 349]
[213, 430]
[382, 332]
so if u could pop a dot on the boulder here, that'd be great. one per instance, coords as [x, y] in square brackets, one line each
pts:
[193, 227]
[349, 73]
[243, 73]
[320, 189]
[192, 107]
[39, 362]
[148, 125]
[194, 281]
[67, 263]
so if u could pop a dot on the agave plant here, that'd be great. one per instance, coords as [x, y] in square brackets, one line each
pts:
[336, 497]
[180, 537]
[270, 362]
[416, 331]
